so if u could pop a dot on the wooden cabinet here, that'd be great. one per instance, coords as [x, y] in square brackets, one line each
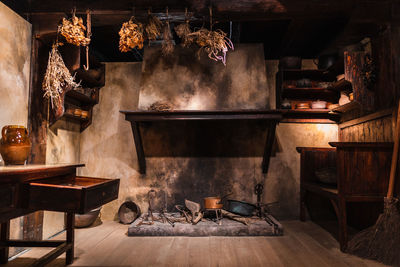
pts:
[362, 171]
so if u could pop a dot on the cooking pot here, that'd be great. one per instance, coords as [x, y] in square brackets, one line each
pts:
[290, 63]
[212, 203]
[241, 207]
[325, 61]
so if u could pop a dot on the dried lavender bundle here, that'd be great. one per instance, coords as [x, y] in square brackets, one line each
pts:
[153, 27]
[57, 78]
[131, 36]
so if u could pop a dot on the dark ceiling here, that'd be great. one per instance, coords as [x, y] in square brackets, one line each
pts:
[286, 27]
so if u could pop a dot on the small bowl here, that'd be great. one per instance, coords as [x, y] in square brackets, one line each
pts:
[87, 219]
[318, 104]
[84, 114]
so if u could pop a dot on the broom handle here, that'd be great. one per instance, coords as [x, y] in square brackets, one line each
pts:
[395, 156]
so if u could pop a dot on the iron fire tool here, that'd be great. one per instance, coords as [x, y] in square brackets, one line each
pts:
[258, 189]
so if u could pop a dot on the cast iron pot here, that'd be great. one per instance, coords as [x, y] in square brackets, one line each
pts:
[241, 207]
[290, 63]
[325, 61]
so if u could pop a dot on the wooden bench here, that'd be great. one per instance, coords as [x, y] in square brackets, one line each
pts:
[362, 176]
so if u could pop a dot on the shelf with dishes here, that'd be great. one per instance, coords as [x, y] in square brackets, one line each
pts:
[78, 106]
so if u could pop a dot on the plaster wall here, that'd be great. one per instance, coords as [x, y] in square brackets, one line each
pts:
[15, 55]
[108, 150]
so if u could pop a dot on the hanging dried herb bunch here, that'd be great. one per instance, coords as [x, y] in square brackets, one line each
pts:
[57, 78]
[215, 43]
[131, 36]
[74, 31]
[153, 27]
[183, 31]
[168, 45]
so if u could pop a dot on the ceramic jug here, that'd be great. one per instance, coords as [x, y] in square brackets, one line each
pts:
[14, 144]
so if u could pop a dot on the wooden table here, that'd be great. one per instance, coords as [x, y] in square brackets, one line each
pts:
[29, 188]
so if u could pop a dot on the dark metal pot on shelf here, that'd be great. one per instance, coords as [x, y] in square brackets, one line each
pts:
[326, 61]
[290, 63]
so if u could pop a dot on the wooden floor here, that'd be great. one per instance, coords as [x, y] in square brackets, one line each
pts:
[304, 244]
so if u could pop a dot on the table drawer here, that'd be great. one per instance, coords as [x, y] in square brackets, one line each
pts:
[71, 194]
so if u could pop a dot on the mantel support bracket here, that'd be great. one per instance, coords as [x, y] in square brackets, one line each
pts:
[139, 146]
[269, 143]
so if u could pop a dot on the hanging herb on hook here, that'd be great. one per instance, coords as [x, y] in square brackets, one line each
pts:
[183, 31]
[74, 31]
[131, 35]
[57, 79]
[153, 26]
[167, 45]
[215, 43]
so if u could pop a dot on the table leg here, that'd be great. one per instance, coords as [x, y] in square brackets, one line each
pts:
[70, 237]
[4, 236]
[342, 224]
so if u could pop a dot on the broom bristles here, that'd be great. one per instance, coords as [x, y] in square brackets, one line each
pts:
[380, 242]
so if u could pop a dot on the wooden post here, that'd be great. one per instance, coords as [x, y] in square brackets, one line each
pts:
[4, 236]
[70, 237]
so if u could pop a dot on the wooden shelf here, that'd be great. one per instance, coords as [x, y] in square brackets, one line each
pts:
[311, 93]
[353, 105]
[342, 86]
[271, 117]
[75, 118]
[82, 98]
[321, 189]
[309, 116]
[316, 75]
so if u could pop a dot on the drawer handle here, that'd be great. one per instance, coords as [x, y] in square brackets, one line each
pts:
[103, 194]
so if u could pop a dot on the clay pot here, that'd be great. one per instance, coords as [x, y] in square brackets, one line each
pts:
[14, 144]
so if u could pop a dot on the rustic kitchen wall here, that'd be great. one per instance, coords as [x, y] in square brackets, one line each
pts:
[15, 55]
[63, 144]
[108, 150]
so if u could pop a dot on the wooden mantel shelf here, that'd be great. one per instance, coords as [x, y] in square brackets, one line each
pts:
[272, 117]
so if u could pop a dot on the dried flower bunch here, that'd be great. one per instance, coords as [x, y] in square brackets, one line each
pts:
[57, 78]
[153, 27]
[183, 31]
[160, 106]
[168, 45]
[74, 31]
[131, 36]
[215, 43]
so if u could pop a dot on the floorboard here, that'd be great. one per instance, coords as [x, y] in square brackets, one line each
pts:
[303, 244]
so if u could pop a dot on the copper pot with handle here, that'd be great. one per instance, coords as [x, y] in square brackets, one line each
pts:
[214, 202]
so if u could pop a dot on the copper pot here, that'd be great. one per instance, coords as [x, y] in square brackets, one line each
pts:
[212, 203]
[14, 144]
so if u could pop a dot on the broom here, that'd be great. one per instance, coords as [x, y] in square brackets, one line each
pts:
[381, 242]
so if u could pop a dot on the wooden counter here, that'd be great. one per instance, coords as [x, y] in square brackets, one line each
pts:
[29, 188]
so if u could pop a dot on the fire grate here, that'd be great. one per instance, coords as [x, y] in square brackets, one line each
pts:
[267, 226]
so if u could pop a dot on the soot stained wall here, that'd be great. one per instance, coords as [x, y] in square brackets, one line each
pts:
[188, 82]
